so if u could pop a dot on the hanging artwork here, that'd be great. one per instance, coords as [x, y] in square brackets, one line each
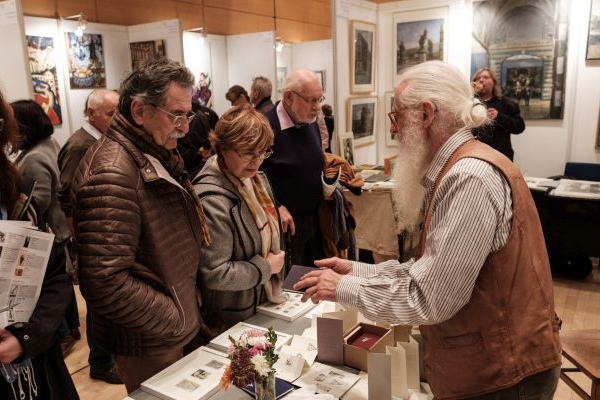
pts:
[347, 146]
[42, 64]
[419, 37]
[361, 119]
[362, 57]
[525, 45]
[203, 90]
[593, 44]
[86, 61]
[144, 51]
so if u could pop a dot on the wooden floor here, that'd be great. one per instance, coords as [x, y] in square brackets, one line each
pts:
[577, 303]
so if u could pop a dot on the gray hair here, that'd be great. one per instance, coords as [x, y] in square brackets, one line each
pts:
[446, 87]
[298, 78]
[262, 86]
[150, 81]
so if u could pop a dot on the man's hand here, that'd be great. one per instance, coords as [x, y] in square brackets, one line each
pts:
[287, 221]
[10, 348]
[339, 265]
[320, 285]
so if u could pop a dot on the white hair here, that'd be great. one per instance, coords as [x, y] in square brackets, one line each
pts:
[446, 87]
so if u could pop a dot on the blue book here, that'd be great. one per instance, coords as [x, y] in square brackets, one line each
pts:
[281, 388]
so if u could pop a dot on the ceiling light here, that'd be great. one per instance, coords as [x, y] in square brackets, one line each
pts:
[279, 43]
[81, 23]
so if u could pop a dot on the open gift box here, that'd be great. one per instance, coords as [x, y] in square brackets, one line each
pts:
[361, 340]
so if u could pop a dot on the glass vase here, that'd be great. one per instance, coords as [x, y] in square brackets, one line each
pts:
[264, 387]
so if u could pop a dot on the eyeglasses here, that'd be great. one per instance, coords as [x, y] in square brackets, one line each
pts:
[247, 157]
[393, 117]
[178, 120]
[313, 101]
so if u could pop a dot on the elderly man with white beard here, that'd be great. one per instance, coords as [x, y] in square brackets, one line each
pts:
[486, 333]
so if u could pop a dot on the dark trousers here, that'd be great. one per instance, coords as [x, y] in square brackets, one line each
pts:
[307, 242]
[99, 359]
[540, 386]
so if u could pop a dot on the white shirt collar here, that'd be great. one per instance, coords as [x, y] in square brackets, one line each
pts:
[89, 128]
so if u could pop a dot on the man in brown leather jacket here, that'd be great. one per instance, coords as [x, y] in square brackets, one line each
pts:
[139, 226]
[479, 285]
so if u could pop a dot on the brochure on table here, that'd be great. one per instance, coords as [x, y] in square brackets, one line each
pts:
[577, 189]
[291, 309]
[194, 377]
[24, 255]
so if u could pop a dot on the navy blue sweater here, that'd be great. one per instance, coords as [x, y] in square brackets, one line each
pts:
[295, 167]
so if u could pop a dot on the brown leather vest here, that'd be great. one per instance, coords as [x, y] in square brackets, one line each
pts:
[508, 330]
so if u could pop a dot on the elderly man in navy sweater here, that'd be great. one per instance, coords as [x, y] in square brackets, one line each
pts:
[296, 164]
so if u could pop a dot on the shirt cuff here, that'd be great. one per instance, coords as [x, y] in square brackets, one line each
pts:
[347, 290]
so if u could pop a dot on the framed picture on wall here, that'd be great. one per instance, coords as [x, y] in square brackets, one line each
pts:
[145, 51]
[526, 48]
[321, 77]
[86, 61]
[362, 57]
[418, 37]
[389, 106]
[281, 74]
[598, 133]
[593, 43]
[42, 65]
[346, 143]
[361, 119]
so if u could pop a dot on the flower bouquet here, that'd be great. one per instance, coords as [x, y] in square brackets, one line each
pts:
[252, 358]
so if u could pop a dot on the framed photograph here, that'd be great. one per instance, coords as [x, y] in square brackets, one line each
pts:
[42, 64]
[347, 146]
[593, 43]
[86, 61]
[321, 77]
[598, 134]
[144, 51]
[362, 57]
[281, 74]
[418, 37]
[527, 51]
[388, 98]
[361, 119]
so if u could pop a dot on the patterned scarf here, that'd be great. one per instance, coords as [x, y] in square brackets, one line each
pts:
[170, 159]
[255, 195]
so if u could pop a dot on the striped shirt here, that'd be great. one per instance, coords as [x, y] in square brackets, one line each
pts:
[471, 218]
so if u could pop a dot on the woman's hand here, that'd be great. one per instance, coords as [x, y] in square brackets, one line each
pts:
[10, 348]
[276, 261]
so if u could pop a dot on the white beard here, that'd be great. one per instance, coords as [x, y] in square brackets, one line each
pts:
[411, 164]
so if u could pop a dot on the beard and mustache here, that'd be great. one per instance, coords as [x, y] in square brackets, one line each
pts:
[411, 165]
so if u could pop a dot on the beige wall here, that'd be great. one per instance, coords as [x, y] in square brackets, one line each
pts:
[297, 20]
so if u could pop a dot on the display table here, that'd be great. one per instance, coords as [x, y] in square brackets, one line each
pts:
[358, 392]
[376, 228]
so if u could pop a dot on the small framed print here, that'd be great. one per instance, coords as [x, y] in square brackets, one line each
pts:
[347, 146]
[593, 43]
[389, 106]
[362, 57]
[361, 119]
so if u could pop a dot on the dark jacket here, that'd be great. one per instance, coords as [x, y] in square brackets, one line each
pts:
[38, 335]
[138, 244]
[508, 122]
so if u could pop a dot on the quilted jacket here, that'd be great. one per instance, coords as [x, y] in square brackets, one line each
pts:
[139, 237]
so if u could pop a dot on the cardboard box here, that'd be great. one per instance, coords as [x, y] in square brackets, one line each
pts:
[361, 340]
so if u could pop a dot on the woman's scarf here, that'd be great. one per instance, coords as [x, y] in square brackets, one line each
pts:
[170, 159]
[261, 206]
